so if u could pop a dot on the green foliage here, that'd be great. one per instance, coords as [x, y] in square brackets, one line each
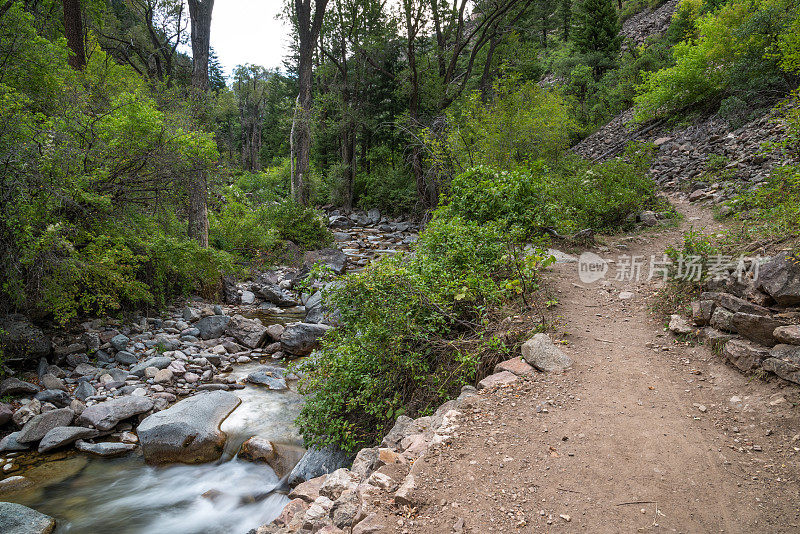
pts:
[387, 186]
[596, 33]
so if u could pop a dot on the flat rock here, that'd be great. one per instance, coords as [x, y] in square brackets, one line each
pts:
[106, 415]
[14, 386]
[187, 432]
[789, 335]
[758, 328]
[18, 519]
[541, 353]
[271, 377]
[276, 295]
[41, 424]
[317, 462]
[56, 397]
[106, 449]
[498, 379]
[744, 354]
[332, 258]
[518, 366]
[159, 362]
[64, 435]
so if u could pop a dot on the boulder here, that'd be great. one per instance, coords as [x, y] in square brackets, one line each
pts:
[85, 389]
[41, 424]
[680, 326]
[272, 377]
[6, 413]
[648, 218]
[257, 449]
[125, 358]
[65, 435]
[399, 431]
[49, 381]
[120, 342]
[780, 279]
[18, 519]
[10, 444]
[540, 352]
[333, 258]
[317, 462]
[789, 335]
[14, 386]
[758, 328]
[337, 483]
[247, 297]
[249, 332]
[22, 340]
[308, 491]
[106, 415]
[722, 319]
[213, 326]
[744, 354]
[734, 304]
[276, 295]
[187, 432]
[56, 397]
[302, 338]
[106, 449]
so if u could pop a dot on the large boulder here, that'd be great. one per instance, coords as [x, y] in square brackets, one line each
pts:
[213, 326]
[317, 462]
[333, 258]
[187, 432]
[302, 338]
[18, 519]
[272, 377]
[14, 386]
[249, 332]
[106, 415]
[41, 424]
[276, 295]
[758, 328]
[540, 352]
[65, 435]
[21, 340]
[780, 278]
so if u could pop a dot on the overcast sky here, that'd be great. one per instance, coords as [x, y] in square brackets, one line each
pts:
[246, 31]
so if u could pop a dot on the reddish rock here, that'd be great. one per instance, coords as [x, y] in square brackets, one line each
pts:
[498, 379]
[517, 366]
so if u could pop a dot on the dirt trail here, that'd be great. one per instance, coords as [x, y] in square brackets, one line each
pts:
[644, 433]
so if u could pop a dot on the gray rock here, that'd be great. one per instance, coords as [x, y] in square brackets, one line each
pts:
[702, 311]
[317, 462]
[187, 432]
[18, 519]
[780, 279]
[247, 297]
[22, 340]
[374, 216]
[540, 352]
[65, 435]
[758, 328]
[784, 361]
[106, 449]
[49, 381]
[84, 389]
[722, 319]
[679, 325]
[10, 444]
[41, 424]
[14, 386]
[274, 294]
[648, 218]
[191, 315]
[249, 332]
[55, 397]
[397, 433]
[272, 377]
[126, 358]
[6, 413]
[120, 342]
[333, 258]
[734, 304]
[106, 415]
[159, 362]
[302, 338]
[213, 326]
[744, 354]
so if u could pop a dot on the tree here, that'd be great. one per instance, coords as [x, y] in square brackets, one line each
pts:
[73, 29]
[565, 14]
[251, 87]
[308, 23]
[596, 34]
[197, 186]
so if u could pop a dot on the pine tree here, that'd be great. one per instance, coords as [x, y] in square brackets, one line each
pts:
[596, 33]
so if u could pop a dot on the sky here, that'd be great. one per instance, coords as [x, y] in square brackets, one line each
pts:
[246, 31]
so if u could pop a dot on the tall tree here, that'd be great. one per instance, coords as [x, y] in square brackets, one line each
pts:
[596, 34]
[73, 29]
[251, 87]
[308, 20]
[197, 186]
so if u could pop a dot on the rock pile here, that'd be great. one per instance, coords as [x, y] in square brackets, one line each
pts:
[755, 321]
[365, 236]
[648, 23]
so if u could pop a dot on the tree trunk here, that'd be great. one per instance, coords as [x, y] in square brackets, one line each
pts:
[73, 30]
[197, 186]
[200, 15]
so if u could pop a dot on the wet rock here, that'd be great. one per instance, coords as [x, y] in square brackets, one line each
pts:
[758, 328]
[106, 415]
[213, 326]
[540, 352]
[332, 258]
[22, 340]
[318, 461]
[272, 377]
[249, 332]
[744, 354]
[257, 449]
[105, 449]
[18, 519]
[65, 435]
[498, 379]
[15, 483]
[10, 444]
[187, 432]
[41, 424]
[276, 295]
[780, 279]
[14, 386]
[302, 338]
